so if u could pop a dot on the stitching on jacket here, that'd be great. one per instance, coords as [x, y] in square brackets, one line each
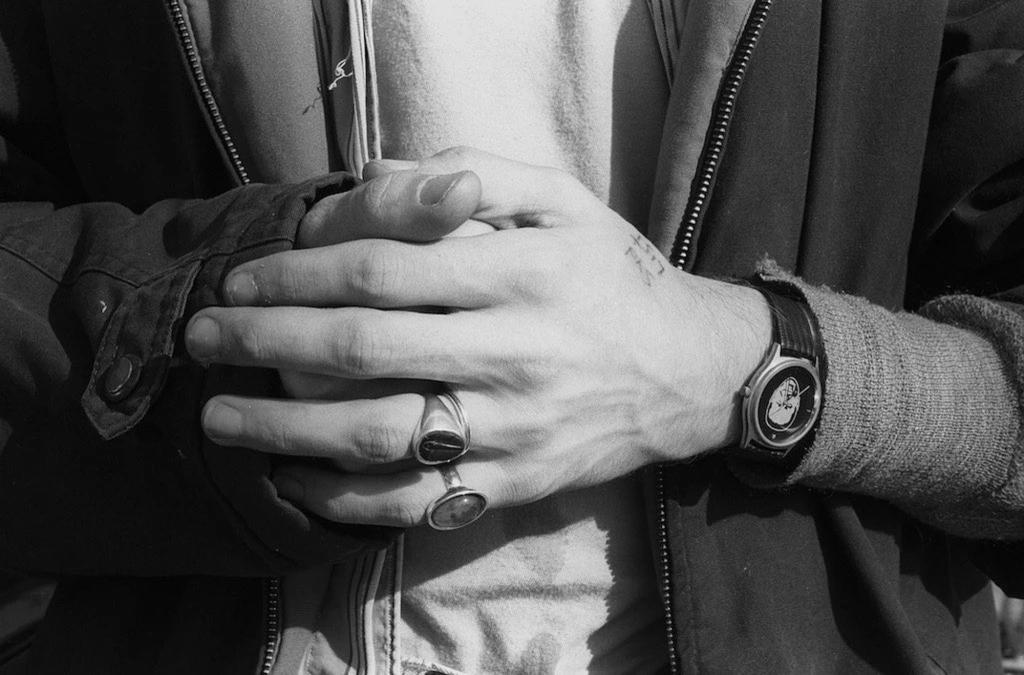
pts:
[65, 280]
[57, 266]
[29, 261]
[111, 423]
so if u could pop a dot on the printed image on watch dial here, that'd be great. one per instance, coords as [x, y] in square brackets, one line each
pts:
[787, 405]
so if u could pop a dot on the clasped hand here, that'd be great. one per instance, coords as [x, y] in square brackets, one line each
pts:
[578, 352]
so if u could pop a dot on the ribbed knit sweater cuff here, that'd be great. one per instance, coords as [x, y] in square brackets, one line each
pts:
[923, 411]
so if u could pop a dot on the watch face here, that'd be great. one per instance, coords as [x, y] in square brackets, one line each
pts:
[788, 404]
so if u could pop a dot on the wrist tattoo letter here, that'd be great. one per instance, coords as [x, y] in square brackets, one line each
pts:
[646, 258]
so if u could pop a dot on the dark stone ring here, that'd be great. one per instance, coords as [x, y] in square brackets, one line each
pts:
[443, 433]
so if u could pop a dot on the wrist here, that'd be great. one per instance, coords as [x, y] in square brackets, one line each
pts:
[743, 339]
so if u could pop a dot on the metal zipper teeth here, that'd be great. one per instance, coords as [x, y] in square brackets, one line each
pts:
[725, 104]
[665, 567]
[272, 586]
[189, 45]
[272, 626]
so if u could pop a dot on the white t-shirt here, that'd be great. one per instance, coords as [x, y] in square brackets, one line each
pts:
[567, 584]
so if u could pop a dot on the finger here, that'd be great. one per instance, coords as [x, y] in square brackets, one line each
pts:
[404, 205]
[370, 273]
[355, 343]
[354, 434]
[358, 435]
[328, 388]
[514, 194]
[381, 167]
[469, 272]
[395, 500]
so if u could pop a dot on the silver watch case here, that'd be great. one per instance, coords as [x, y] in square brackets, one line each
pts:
[780, 403]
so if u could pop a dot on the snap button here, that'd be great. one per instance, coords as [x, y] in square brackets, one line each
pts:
[121, 377]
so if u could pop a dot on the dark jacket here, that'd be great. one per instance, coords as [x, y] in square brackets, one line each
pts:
[127, 163]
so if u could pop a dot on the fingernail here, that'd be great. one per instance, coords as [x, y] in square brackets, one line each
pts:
[221, 421]
[203, 338]
[437, 188]
[289, 488]
[240, 289]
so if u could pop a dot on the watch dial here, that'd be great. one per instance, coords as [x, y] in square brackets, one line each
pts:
[788, 404]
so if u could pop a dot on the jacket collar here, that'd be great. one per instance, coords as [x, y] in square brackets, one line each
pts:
[710, 33]
[259, 62]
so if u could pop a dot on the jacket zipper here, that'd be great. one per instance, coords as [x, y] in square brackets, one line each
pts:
[272, 585]
[665, 570]
[272, 623]
[722, 112]
[188, 45]
[725, 104]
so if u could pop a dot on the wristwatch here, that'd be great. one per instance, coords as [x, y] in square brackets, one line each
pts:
[781, 401]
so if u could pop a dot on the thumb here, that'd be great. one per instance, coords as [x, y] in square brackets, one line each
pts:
[402, 205]
[513, 194]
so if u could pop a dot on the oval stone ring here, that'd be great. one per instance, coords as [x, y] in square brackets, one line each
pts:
[443, 433]
[458, 506]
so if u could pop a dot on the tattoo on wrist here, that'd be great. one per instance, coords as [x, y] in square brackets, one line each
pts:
[646, 258]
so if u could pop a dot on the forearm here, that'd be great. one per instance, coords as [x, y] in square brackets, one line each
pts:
[923, 411]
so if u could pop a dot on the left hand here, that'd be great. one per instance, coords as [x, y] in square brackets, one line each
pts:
[578, 351]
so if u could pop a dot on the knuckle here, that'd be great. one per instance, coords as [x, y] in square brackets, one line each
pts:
[357, 350]
[530, 435]
[525, 374]
[274, 433]
[313, 228]
[400, 513]
[335, 508]
[517, 372]
[371, 199]
[520, 492]
[378, 443]
[249, 340]
[373, 276]
[543, 269]
[536, 364]
[286, 283]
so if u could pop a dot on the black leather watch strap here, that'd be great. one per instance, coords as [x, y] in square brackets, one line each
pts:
[793, 324]
[782, 399]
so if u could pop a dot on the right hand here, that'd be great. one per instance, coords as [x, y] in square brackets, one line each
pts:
[578, 351]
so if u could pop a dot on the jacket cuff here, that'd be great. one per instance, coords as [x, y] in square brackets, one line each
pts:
[920, 413]
[137, 345]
